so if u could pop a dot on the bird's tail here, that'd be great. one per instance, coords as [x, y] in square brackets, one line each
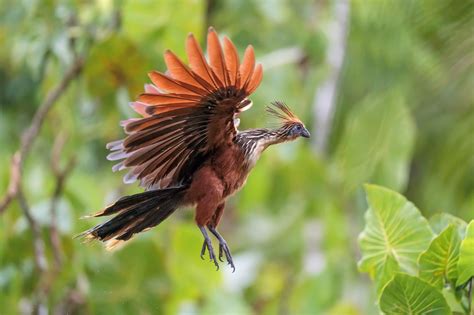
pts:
[134, 214]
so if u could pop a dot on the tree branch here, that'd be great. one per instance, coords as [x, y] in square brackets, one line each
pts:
[30, 135]
[38, 245]
[14, 184]
[61, 176]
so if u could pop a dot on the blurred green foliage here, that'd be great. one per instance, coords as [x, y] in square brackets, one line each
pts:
[416, 264]
[404, 119]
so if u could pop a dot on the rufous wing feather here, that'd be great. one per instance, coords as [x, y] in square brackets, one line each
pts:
[198, 62]
[256, 79]
[186, 113]
[232, 61]
[181, 72]
[216, 57]
[247, 67]
[170, 85]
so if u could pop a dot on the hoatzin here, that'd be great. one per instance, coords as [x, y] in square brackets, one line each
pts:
[186, 149]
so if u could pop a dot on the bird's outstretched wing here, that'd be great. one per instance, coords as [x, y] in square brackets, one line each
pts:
[187, 113]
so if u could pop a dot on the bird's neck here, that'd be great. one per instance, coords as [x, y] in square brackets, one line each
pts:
[263, 137]
[271, 137]
[254, 141]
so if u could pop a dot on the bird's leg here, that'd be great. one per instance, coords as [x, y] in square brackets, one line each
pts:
[223, 248]
[208, 244]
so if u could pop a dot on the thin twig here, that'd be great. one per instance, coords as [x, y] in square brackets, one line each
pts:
[39, 254]
[29, 136]
[73, 299]
[61, 176]
[14, 184]
[41, 262]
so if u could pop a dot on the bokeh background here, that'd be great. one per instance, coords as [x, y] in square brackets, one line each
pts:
[385, 87]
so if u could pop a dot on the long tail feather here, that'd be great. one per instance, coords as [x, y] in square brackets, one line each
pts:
[134, 214]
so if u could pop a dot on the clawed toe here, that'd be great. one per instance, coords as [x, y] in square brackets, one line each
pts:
[223, 248]
[220, 253]
[208, 244]
[203, 250]
[212, 256]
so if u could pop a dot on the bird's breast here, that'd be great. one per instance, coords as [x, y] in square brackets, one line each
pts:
[233, 167]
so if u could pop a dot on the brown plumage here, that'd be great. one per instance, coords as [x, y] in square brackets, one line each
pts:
[186, 149]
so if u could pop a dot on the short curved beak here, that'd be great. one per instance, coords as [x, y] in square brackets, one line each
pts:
[305, 133]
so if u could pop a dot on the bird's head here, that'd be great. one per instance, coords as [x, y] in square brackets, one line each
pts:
[292, 127]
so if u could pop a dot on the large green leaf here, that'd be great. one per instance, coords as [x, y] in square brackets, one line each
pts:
[454, 299]
[466, 256]
[385, 273]
[377, 143]
[440, 221]
[405, 294]
[394, 228]
[439, 261]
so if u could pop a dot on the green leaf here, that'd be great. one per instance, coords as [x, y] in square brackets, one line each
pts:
[410, 295]
[440, 221]
[439, 261]
[377, 143]
[394, 228]
[466, 256]
[385, 273]
[453, 301]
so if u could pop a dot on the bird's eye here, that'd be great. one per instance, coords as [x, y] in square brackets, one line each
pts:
[296, 130]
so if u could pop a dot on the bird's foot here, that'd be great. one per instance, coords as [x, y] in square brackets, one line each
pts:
[223, 248]
[208, 244]
[228, 256]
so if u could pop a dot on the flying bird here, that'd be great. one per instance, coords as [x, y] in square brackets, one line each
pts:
[185, 149]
